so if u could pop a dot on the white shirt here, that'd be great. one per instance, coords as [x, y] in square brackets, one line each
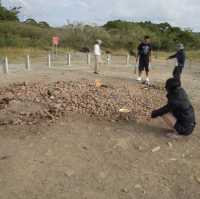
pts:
[97, 49]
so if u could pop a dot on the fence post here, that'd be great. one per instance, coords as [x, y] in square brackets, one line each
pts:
[49, 60]
[28, 67]
[6, 65]
[88, 59]
[108, 58]
[69, 59]
[128, 59]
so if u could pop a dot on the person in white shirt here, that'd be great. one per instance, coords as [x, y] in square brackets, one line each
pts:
[97, 54]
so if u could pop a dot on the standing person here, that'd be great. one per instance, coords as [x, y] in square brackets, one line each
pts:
[178, 113]
[144, 56]
[97, 54]
[180, 57]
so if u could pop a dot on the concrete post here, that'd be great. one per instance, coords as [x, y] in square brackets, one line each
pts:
[128, 59]
[6, 65]
[49, 60]
[28, 67]
[69, 59]
[88, 59]
[108, 58]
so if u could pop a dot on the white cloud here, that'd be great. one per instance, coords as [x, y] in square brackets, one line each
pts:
[184, 13]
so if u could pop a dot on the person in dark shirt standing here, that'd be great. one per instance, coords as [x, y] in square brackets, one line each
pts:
[144, 56]
[178, 113]
[180, 57]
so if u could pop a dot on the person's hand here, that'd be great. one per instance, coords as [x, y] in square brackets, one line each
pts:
[153, 114]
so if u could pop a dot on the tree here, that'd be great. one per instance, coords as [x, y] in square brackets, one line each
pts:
[9, 15]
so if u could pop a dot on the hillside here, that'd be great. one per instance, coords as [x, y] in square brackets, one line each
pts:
[115, 34]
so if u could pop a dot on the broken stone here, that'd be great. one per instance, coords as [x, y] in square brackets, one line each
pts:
[57, 99]
[197, 179]
[102, 175]
[156, 149]
[124, 190]
[69, 173]
[170, 145]
[138, 186]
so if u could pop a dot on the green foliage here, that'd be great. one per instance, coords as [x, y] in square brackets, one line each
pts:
[9, 15]
[116, 35]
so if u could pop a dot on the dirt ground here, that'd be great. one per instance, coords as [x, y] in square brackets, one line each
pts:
[80, 157]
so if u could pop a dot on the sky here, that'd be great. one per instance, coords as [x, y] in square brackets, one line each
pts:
[183, 13]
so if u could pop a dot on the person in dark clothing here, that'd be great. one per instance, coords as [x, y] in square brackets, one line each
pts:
[144, 56]
[180, 57]
[182, 116]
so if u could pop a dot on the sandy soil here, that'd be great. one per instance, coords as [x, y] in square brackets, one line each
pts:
[81, 157]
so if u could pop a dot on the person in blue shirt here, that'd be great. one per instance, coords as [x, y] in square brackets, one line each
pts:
[180, 57]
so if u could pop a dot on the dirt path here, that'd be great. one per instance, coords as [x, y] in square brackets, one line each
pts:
[81, 157]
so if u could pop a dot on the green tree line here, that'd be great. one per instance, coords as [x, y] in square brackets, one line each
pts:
[114, 34]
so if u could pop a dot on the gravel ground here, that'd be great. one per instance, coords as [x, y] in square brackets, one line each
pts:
[84, 153]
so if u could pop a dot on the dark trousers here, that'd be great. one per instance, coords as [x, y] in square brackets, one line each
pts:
[177, 72]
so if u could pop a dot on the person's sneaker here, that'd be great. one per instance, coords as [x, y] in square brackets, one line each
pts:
[147, 81]
[139, 79]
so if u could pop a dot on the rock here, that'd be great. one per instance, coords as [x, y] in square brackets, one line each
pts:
[138, 186]
[56, 99]
[197, 178]
[102, 175]
[4, 158]
[124, 190]
[69, 173]
[85, 148]
[156, 149]
[173, 159]
[170, 145]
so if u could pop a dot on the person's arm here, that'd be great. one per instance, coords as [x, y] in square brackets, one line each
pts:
[172, 56]
[150, 54]
[160, 112]
[138, 53]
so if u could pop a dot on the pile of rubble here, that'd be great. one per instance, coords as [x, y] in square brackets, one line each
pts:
[32, 103]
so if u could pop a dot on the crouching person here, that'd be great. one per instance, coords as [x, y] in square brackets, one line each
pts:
[178, 113]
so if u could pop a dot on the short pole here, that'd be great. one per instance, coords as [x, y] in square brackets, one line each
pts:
[88, 59]
[6, 65]
[69, 59]
[108, 58]
[49, 60]
[128, 59]
[28, 67]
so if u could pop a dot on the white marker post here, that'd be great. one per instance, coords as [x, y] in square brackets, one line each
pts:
[49, 60]
[69, 59]
[108, 58]
[6, 65]
[128, 59]
[28, 67]
[88, 59]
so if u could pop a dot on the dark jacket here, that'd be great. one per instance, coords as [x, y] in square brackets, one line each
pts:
[180, 56]
[180, 107]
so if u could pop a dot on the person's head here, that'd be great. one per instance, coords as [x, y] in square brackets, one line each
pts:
[98, 41]
[180, 46]
[146, 39]
[172, 84]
